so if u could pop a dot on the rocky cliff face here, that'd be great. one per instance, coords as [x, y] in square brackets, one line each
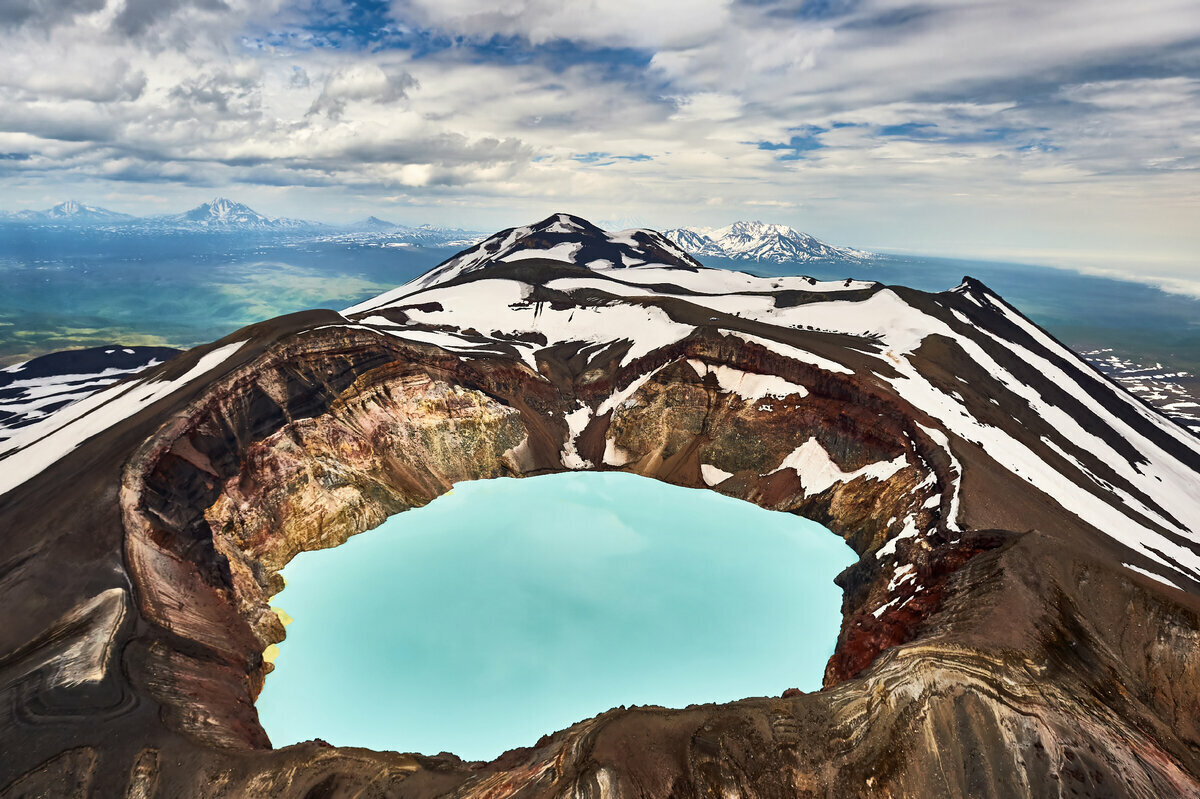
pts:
[1022, 620]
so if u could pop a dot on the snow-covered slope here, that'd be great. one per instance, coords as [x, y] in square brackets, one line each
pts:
[695, 242]
[43, 440]
[759, 241]
[38, 388]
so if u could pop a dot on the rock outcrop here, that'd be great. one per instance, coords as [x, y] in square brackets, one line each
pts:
[1023, 619]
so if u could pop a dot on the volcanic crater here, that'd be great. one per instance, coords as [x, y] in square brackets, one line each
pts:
[1022, 620]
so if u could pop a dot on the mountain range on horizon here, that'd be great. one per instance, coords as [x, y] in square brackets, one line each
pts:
[741, 240]
[217, 214]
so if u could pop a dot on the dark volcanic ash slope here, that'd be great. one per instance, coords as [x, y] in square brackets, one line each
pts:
[1022, 620]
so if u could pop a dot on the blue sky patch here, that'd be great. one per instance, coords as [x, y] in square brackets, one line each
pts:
[607, 159]
[931, 132]
[805, 140]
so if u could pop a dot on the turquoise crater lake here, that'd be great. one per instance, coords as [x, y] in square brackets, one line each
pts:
[509, 608]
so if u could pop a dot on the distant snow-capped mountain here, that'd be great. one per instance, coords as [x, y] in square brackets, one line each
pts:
[226, 215]
[759, 241]
[70, 212]
[77, 211]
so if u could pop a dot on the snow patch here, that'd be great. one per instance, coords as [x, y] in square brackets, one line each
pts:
[559, 252]
[712, 475]
[908, 531]
[616, 456]
[563, 224]
[818, 472]
[576, 420]
[1158, 578]
[750, 386]
[794, 353]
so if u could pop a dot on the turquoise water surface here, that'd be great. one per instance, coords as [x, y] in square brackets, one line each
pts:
[508, 609]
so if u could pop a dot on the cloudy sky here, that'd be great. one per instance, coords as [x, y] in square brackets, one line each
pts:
[1040, 130]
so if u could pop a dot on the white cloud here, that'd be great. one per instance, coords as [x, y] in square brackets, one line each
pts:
[105, 82]
[378, 83]
[709, 107]
[612, 23]
[1143, 94]
[888, 124]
